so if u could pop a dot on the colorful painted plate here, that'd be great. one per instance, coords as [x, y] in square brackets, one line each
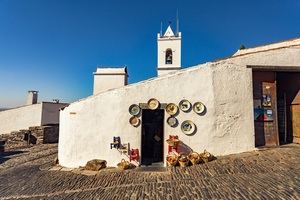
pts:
[153, 104]
[134, 109]
[184, 105]
[172, 109]
[134, 121]
[172, 121]
[188, 127]
[198, 107]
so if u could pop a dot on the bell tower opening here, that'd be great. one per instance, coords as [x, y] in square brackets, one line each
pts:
[169, 56]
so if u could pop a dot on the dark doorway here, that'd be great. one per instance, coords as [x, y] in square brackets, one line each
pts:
[152, 136]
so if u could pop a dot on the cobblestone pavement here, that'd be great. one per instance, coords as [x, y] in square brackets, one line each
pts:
[264, 174]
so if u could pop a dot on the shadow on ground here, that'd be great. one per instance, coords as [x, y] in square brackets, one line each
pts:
[4, 156]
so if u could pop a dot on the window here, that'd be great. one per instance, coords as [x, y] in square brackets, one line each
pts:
[169, 57]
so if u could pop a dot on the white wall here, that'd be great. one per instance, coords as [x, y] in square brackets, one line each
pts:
[109, 78]
[233, 126]
[225, 87]
[107, 82]
[20, 118]
[50, 114]
[88, 126]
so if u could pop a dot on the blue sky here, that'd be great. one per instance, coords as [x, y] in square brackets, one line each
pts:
[55, 45]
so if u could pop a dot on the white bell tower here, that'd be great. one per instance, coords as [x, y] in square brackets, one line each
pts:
[168, 51]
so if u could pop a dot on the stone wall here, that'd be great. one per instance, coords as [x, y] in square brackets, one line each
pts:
[45, 134]
[14, 140]
[33, 136]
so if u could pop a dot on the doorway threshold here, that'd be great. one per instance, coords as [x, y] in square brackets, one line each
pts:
[154, 167]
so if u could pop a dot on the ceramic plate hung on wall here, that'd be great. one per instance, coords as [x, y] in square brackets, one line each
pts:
[198, 107]
[172, 109]
[184, 105]
[172, 121]
[134, 110]
[134, 121]
[153, 104]
[188, 127]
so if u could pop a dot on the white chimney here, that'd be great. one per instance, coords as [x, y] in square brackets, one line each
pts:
[32, 97]
[109, 78]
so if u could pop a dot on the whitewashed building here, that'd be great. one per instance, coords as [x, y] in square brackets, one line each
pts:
[34, 113]
[266, 78]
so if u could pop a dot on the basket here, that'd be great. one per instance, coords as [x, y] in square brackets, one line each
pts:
[194, 157]
[173, 142]
[206, 156]
[124, 164]
[183, 161]
[172, 160]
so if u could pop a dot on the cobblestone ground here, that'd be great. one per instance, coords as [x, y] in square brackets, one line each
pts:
[265, 174]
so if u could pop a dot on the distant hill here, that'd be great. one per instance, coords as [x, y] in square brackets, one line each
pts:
[1, 109]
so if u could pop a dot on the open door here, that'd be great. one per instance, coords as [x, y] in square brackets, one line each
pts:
[152, 136]
[295, 115]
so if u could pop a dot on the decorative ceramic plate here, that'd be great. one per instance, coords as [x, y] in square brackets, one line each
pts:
[172, 121]
[188, 127]
[134, 121]
[134, 109]
[184, 105]
[172, 109]
[153, 104]
[198, 107]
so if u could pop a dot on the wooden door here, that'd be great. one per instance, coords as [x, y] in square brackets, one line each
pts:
[152, 136]
[295, 110]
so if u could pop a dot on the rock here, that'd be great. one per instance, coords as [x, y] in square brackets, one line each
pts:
[95, 165]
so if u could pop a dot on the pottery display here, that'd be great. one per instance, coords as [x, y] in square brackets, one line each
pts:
[134, 121]
[172, 121]
[198, 107]
[184, 105]
[153, 104]
[171, 109]
[134, 110]
[188, 127]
